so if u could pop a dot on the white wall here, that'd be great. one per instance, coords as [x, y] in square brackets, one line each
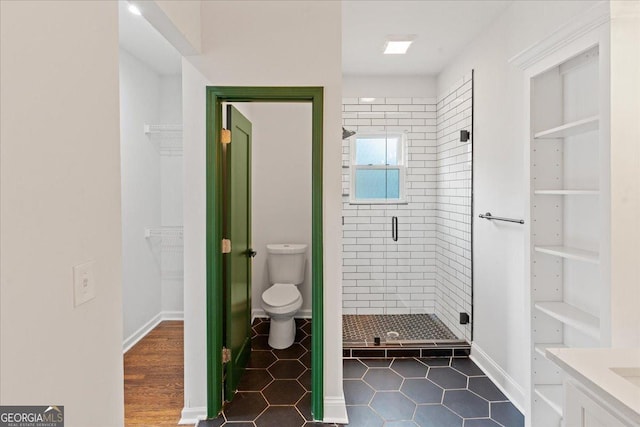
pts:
[294, 43]
[195, 260]
[500, 334]
[354, 86]
[140, 170]
[60, 206]
[281, 189]
[625, 173]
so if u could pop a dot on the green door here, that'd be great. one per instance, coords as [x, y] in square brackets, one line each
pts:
[237, 263]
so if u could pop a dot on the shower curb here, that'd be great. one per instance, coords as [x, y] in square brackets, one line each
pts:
[459, 349]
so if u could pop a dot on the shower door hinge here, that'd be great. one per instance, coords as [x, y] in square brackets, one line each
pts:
[226, 355]
[226, 246]
[225, 136]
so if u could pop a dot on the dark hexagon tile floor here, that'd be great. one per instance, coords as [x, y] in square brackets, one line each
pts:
[412, 392]
[401, 392]
[275, 388]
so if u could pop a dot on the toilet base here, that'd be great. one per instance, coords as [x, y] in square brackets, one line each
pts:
[282, 333]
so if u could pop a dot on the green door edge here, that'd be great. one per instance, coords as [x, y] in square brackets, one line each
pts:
[216, 95]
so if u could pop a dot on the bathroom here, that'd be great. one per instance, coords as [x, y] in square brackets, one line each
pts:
[63, 166]
[417, 109]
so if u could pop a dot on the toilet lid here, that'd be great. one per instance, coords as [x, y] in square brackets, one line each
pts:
[281, 294]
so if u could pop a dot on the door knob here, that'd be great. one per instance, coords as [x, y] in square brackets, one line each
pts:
[251, 253]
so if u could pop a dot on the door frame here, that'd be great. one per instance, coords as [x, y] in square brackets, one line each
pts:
[216, 95]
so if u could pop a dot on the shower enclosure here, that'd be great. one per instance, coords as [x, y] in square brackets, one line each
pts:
[407, 193]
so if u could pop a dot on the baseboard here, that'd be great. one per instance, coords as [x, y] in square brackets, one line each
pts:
[172, 315]
[335, 410]
[134, 338]
[301, 314]
[192, 415]
[500, 378]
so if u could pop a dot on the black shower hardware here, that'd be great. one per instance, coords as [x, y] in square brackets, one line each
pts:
[347, 133]
[498, 218]
[394, 228]
[464, 318]
[464, 135]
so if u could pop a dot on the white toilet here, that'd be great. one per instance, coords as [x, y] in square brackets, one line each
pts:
[282, 300]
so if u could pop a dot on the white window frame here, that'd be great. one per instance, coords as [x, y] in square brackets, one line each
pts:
[401, 166]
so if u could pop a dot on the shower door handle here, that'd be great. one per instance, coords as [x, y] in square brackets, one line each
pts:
[394, 228]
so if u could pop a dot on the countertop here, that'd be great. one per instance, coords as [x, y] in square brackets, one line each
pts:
[593, 368]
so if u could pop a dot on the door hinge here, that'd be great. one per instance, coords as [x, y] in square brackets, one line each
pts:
[225, 136]
[226, 355]
[226, 246]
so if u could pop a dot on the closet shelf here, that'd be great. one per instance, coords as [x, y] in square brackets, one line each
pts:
[569, 253]
[551, 394]
[541, 348]
[571, 316]
[565, 192]
[569, 129]
[164, 232]
[162, 129]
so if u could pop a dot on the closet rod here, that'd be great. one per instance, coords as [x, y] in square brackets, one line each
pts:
[498, 218]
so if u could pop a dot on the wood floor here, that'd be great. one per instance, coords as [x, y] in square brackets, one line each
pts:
[154, 379]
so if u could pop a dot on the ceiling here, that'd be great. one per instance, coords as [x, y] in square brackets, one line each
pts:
[441, 29]
[143, 41]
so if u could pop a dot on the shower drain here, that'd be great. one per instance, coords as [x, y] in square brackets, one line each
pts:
[392, 335]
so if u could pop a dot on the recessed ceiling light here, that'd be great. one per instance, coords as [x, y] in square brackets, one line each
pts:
[397, 47]
[134, 9]
[367, 99]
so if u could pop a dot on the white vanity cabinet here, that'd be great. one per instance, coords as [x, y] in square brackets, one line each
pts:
[601, 386]
[583, 410]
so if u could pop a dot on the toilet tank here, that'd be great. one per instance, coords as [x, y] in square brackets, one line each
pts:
[286, 263]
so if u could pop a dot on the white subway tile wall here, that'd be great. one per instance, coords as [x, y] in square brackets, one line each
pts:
[428, 270]
[381, 276]
[453, 207]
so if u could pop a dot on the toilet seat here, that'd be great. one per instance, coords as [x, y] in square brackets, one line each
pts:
[281, 296]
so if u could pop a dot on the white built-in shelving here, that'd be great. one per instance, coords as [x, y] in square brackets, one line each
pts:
[569, 253]
[566, 192]
[571, 316]
[541, 348]
[568, 249]
[566, 130]
[551, 394]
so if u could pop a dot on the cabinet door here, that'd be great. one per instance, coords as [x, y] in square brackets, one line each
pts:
[582, 411]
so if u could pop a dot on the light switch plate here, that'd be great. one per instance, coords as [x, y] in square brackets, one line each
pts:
[84, 284]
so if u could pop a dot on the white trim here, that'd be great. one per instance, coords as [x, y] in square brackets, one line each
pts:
[135, 337]
[192, 415]
[499, 377]
[335, 410]
[172, 315]
[581, 25]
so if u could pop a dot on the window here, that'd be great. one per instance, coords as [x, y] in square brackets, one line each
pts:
[378, 168]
